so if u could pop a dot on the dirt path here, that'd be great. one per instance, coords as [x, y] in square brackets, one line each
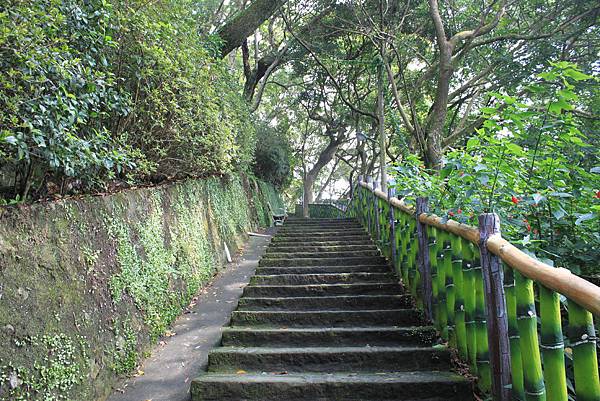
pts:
[169, 371]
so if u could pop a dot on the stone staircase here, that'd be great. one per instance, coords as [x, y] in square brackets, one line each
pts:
[324, 318]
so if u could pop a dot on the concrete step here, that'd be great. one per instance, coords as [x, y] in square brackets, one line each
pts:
[323, 278]
[329, 337]
[321, 229]
[335, 248]
[324, 229]
[326, 318]
[275, 243]
[300, 221]
[277, 386]
[334, 254]
[322, 290]
[323, 269]
[322, 234]
[325, 261]
[328, 359]
[341, 302]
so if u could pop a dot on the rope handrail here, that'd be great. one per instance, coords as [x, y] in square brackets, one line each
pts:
[558, 279]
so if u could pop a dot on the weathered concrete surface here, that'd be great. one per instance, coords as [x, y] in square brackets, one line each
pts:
[325, 325]
[168, 372]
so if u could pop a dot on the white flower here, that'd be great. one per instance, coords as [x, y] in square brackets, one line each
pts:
[504, 133]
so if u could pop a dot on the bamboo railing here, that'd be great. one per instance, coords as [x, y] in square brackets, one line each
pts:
[480, 292]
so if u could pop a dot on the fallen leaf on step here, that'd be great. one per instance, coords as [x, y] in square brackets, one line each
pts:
[241, 372]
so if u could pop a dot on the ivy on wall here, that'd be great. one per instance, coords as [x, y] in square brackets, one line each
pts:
[143, 255]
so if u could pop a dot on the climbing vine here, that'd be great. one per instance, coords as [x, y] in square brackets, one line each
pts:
[163, 265]
[61, 366]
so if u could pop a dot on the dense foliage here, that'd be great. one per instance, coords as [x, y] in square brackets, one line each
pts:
[96, 91]
[272, 156]
[530, 163]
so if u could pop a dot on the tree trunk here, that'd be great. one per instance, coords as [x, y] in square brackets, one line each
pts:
[435, 131]
[328, 181]
[311, 176]
[307, 199]
[243, 24]
[381, 126]
[437, 119]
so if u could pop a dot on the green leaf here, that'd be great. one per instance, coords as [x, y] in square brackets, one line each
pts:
[548, 76]
[584, 217]
[537, 198]
[11, 139]
[515, 149]
[561, 194]
[577, 75]
[558, 106]
[559, 213]
[472, 143]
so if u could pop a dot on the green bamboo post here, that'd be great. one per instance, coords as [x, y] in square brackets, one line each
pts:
[376, 214]
[450, 293]
[405, 259]
[382, 224]
[414, 273]
[424, 259]
[527, 322]
[372, 211]
[386, 228]
[441, 285]
[553, 347]
[483, 361]
[469, 296]
[369, 205]
[398, 238]
[392, 228]
[585, 361]
[358, 206]
[433, 263]
[516, 362]
[411, 248]
[459, 302]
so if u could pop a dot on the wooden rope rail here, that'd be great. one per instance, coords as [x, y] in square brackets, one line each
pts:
[561, 280]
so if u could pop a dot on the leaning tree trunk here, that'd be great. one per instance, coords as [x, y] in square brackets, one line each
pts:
[308, 196]
[243, 24]
[311, 176]
[435, 131]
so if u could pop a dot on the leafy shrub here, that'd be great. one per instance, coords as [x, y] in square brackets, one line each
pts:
[272, 156]
[186, 115]
[531, 164]
[56, 90]
[95, 91]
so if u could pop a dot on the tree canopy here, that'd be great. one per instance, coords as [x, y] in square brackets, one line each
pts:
[308, 93]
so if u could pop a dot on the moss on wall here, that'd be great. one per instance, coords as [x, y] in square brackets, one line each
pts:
[87, 285]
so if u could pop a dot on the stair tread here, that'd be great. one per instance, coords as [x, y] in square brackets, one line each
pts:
[350, 311]
[329, 329]
[322, 316]
[407, 377]
[322, 285]
[326, 350]
[330, 297]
